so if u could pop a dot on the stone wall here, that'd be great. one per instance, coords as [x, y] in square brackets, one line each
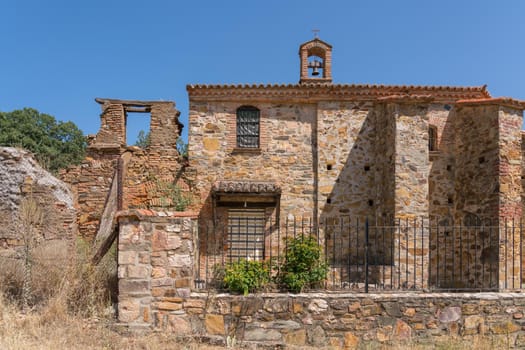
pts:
[285, 155]
[345, 321]
[339, 158]
[156, 266]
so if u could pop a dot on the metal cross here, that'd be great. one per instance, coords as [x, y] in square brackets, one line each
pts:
[316, 33]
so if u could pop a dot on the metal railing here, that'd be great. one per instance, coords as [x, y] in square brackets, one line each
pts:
[377, 255]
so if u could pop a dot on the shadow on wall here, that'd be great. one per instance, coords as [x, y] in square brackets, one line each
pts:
[356, 183]
[463, 192]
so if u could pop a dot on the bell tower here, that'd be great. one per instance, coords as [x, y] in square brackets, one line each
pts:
[316, 62]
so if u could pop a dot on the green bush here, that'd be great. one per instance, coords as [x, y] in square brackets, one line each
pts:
[246, 276]
[303, 266]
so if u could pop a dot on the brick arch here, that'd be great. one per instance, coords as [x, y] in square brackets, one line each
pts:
[320, 49]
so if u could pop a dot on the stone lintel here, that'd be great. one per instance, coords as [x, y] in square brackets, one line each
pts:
[133, 103]
[246, 187]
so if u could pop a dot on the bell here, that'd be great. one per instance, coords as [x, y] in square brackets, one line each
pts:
[315, 65]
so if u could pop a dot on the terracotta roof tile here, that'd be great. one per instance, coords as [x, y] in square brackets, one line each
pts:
[504, 101]
[320, 91]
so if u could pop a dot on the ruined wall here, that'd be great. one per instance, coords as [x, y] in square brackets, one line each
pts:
[154, 177]
[23, 179]
[150, 176]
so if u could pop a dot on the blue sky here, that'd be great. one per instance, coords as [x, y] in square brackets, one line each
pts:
[57, 56]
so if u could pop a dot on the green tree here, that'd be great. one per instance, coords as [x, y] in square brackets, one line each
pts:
[56, 145]
[143, 139]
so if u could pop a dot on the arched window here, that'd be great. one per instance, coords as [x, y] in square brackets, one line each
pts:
[432, 138]
[248, 120]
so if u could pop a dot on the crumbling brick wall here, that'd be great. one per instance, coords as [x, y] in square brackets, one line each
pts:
[142, 177]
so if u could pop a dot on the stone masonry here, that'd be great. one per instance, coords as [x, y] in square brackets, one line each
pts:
[354, 151]
[157, 257]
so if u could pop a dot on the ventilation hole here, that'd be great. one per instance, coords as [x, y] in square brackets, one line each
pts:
[449, 167]
[370, 202]
[447, 107]
[329, 167]
[329, 200]
[450, 200]
[367, 167]
[481, 160]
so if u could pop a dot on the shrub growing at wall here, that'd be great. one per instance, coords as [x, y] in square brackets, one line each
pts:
[304, 266]
[246, 276]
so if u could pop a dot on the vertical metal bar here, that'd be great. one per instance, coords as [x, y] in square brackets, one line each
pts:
[325, 243]
[349, 269]
[294, 226]
[341, 253]
[334, 239]
[415, 250]
[230, 241]
[461, 277]
[476, 234]
[384, 253]
[483, 262]
[270, 243]
[366, 255]
[245, 236]
[422, 254]
[278, 223]
[438, 253]
[406, 250]
[453, 254]
[206, 257]
[286, 240]
[490, 247]
[447, 260]
[255, 237]
[505, 256]
[376, 244]
[392, 253]
[399, 253]
[513, 255]
[302, 227]
[469, 252]
[357, 247]
[223, 253]
[521, 254]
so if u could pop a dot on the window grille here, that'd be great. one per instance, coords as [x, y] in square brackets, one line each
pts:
[246, 234]
[248, 127]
